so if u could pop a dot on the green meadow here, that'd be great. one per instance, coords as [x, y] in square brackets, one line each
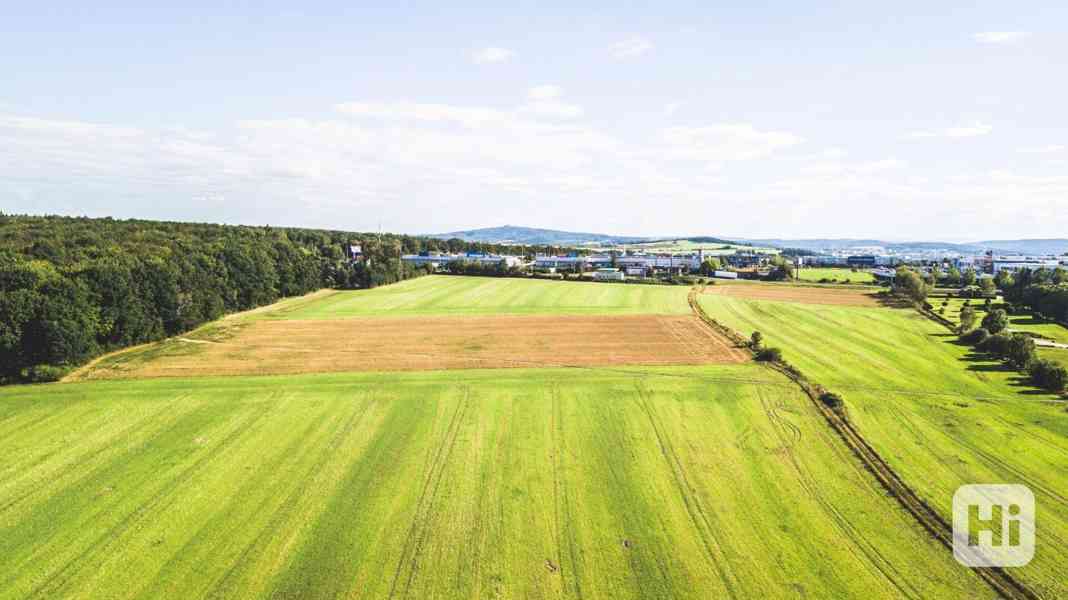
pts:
[1024, 323]
[941, 415]
[817, 274]
[436, 295]
[695, 482]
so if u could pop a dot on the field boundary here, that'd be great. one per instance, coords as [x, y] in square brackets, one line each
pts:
[997, 578]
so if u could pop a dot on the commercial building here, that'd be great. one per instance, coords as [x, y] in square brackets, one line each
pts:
[437, 260]
[608, 274]
[1016, 263]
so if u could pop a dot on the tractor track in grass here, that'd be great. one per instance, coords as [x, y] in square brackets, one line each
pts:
[698, 515]
[51, 586]
[1004, 583]
[426, 506]
[136, 426]
[789, 435]
[283, 511]
[561, 498]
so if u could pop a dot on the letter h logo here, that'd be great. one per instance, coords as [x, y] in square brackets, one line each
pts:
[993, 525]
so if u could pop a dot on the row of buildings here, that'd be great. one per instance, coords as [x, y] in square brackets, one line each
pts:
[603, 266]
[989, 263]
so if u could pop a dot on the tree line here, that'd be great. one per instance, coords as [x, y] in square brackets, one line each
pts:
[72, 287]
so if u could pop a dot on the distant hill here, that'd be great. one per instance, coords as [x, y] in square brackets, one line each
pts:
[1036, 246]
[1023, 246]
[510, 234]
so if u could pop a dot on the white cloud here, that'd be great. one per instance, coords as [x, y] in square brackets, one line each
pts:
[671, 108]
[1049, 149]
[631, 47]
[860, 168]
[492, 54]
[407, 162]
[418, 111]
[551, 109]
[544, 92]
[1000, 37]
[968, 131]
[725, 142]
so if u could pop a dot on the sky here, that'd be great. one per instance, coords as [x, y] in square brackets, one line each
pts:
[899, 121]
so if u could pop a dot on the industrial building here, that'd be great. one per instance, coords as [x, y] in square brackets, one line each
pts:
[1016, 263]
[437, 260]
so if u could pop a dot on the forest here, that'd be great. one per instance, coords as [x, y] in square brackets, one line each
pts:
[72, 288]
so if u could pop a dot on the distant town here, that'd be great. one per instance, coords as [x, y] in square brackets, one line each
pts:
[729, 262]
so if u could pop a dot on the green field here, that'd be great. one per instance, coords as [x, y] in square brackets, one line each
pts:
[672, 482]
[1026, 323]
[835, 275]
[451, 295]
[1057, 355]
[625, 482]
[936, 412]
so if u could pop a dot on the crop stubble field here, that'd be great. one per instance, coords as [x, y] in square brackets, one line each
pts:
[939, 414]
[629, 481]
[424, 343]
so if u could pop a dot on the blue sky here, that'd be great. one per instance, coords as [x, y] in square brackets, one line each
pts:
[902, 121]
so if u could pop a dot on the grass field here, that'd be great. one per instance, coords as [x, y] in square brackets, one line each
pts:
[1046, 329]
[1057, 355]
[937, 413]
[835, 275]
[684, 482]
[436, 295]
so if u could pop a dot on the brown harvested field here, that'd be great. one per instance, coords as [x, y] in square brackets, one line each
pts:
[800, 294]
[388, 344]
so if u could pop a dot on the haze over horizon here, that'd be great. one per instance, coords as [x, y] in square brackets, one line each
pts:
[903, 123]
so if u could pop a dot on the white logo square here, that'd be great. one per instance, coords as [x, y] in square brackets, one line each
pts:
[993, 525]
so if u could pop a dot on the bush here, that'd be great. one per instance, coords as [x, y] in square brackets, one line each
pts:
[1048, 375]
[43, 373]
[996, 321]
[1018, 350]
[832, 401]
[975, 337]
[997, 345]
[769, 355]
[756, 340]
[1021, 351]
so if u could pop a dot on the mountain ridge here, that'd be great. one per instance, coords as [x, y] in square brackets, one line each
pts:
[541, 236]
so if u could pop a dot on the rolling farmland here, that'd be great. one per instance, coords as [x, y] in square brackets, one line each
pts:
[939, 414]
[644, 482]
[614, 480]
